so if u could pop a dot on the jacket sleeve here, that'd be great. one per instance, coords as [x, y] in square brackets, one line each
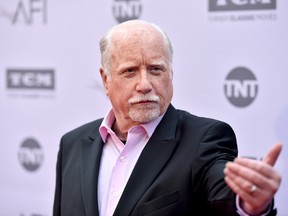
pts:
[57, 195]
[217, 147]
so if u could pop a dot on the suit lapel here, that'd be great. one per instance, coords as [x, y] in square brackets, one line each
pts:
[91, 155]
[150, 163]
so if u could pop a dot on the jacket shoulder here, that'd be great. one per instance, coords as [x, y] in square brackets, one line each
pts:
[188, 118]
[88, 129]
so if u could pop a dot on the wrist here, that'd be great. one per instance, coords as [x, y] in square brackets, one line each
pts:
[252, 211]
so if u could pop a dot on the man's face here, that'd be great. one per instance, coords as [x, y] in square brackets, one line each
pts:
[140, 82]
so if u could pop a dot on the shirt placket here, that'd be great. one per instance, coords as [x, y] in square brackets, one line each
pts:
[119, 173]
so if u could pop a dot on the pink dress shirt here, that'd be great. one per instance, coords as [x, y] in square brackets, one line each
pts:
[118, 161]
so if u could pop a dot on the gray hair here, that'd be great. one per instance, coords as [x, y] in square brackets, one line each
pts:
[105, 43]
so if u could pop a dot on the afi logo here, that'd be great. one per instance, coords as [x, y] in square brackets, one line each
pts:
[30, 79]
[125, 10]
[231, 5]
[29, 11]
[241, 87]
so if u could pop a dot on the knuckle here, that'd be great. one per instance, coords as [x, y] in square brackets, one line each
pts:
[274, 187]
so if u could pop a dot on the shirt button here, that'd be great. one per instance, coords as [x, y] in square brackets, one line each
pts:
[122, 159]
[114, 194]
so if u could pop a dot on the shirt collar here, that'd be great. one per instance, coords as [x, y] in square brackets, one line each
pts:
[110, 118]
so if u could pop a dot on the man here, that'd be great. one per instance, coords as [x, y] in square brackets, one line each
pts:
[147, 158]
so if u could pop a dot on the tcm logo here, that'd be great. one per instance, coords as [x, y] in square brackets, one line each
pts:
[30, 79]
[233, 5]
[241, 87]
[30, 155]
[124, 10]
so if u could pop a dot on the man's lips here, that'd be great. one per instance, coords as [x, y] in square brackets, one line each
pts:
[144, 102]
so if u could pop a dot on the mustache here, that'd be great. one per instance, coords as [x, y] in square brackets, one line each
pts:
[143, 98]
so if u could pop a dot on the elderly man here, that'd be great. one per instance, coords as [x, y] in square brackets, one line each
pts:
[147, 158]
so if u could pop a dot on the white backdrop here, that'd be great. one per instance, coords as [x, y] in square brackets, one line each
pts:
[230, 63]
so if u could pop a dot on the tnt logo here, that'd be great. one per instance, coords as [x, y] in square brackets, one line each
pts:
[30, 155]
[30, 11]
[241, 87]
[125, 10]
[30, 79]
[233, 5]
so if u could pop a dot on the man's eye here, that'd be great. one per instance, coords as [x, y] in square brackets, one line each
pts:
[156, 69]
[131, 70]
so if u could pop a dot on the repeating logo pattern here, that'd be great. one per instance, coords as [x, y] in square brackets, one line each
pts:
[241, 87]
[30, 79]
[26, 12]
[30, 155]
[242, 10]
[232, 5]
[124, 10]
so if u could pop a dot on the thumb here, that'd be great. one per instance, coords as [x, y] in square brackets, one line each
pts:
[273, 154]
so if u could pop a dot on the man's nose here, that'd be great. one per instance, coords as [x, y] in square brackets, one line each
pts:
[144, 82]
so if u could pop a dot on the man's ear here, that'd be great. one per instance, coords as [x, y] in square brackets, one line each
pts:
[104, 79]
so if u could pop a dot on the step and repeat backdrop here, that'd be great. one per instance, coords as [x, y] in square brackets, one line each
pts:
[230, 63]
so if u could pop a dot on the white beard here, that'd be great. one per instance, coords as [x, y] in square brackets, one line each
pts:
[144, 112]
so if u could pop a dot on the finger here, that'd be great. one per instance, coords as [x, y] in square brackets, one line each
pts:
[252, 172]
[270, 184]
[244, 194]
[252, 199]
[242, 183]
[273, 154]
[258, 166]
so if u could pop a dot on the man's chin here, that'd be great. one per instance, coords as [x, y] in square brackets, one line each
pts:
[144, 114]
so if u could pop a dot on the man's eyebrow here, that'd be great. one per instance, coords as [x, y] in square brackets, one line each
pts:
[159, 63]
[125, 66]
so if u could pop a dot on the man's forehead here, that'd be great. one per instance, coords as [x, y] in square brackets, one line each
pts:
[137, 33]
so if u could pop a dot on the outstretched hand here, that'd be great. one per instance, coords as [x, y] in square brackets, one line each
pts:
[255, 182]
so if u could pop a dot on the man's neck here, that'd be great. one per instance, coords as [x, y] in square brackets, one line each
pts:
[120, 134]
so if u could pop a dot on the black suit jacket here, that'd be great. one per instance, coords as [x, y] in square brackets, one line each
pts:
[179, 172]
